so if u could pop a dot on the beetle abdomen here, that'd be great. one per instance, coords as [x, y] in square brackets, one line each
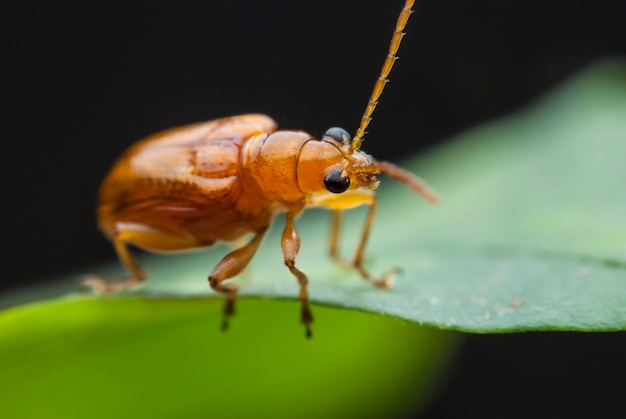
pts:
[181, 181]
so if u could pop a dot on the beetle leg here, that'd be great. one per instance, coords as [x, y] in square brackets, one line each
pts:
[100, 285]
[142, 236]
[357, 262]
[290, 244]
[339, 203]
[231, 265]
[333, 242]
[245, 275]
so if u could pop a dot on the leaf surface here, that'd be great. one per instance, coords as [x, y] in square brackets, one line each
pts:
[530, 233]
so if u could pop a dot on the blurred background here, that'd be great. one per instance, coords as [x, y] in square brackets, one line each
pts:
[84, 80]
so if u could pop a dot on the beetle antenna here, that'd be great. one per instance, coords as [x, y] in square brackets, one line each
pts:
[382, 78]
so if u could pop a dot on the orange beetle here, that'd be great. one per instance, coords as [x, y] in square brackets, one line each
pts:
[222, 180]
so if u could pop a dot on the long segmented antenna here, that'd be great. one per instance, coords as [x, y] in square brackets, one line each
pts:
[382, 78]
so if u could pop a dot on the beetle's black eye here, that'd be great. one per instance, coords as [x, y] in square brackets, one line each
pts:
[338, 134]
[336, 183]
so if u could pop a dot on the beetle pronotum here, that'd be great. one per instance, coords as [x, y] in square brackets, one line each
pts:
[225, 179]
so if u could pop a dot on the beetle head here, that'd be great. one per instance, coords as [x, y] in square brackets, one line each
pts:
[330, 165]
[335, 165]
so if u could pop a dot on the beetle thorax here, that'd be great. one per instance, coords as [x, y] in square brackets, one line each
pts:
[269, 165]
[286, 166]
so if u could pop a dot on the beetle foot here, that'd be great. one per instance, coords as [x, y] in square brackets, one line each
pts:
[228, 312]
[99, 285]
[385, 281]
[306, 317]
[224, 324]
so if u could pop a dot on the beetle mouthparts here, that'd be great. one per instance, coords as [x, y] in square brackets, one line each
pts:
[408, 178]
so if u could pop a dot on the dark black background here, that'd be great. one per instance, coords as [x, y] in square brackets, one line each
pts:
[84, 80]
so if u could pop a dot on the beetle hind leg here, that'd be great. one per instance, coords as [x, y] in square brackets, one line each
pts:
[141, 235]
[100, 285]
[231, 265]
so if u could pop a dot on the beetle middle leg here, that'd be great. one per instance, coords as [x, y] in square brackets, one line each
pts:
[290, 243]
[231, 265]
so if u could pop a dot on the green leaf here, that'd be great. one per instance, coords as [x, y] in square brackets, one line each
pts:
[530, 234]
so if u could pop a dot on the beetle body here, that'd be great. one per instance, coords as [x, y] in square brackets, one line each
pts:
[226, 179]
[217, 181]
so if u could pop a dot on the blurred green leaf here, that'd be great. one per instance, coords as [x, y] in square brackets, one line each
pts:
[165, 358]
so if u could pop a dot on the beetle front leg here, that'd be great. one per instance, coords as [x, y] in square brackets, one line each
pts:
[333, 241]
[357, 262]
[231, 265]
[338, 204]
[290, 244]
